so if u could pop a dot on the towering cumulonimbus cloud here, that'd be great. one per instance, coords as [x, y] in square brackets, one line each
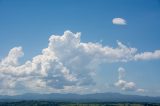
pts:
[67, 64]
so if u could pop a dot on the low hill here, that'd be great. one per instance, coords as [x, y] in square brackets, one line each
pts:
[96, 97]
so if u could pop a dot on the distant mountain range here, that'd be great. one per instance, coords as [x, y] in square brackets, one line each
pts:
[96, 97]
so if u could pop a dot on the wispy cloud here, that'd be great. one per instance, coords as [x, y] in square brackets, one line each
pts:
[119, 21]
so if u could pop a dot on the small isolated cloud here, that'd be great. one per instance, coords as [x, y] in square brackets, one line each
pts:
[126, 85]
[119, 21]
[141, 90]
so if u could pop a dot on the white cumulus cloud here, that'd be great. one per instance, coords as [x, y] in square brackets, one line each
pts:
[126, 85]
[13, 56]
[148, 55]
[119, 21]
[66, 65]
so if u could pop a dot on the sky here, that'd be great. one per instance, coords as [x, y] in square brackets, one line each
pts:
[73, 46]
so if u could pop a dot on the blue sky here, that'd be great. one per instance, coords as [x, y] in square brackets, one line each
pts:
[30, 24]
